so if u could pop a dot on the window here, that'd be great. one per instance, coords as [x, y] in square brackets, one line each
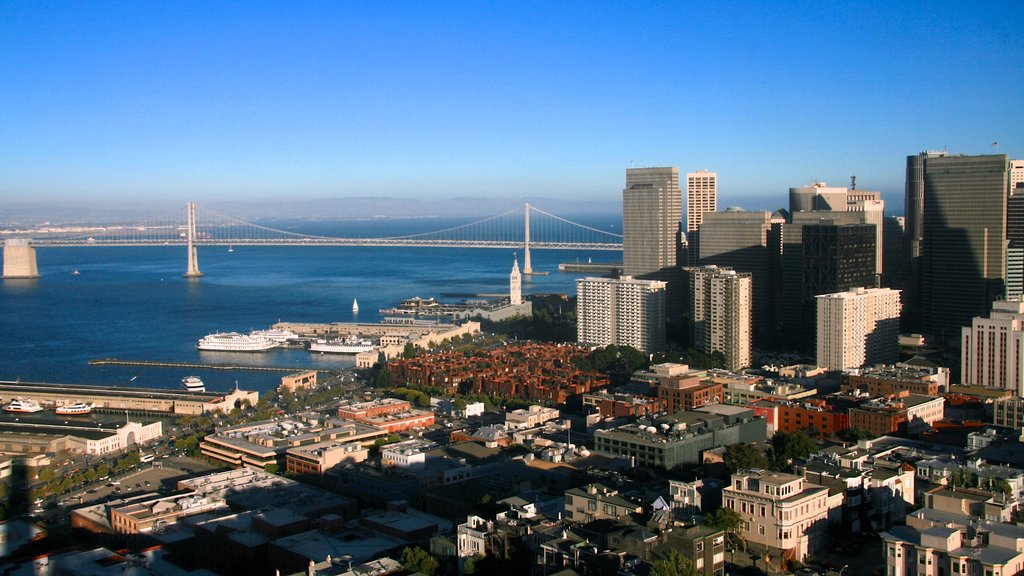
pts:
[700, 546]
[760, 530]
[592, 505]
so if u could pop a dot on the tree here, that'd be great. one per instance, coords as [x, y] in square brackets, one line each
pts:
[416, 559]
[470, 565]
[410, 351]
[674, 565]
[744, 457]
[272, 468]
[787, 447]
[729, 521]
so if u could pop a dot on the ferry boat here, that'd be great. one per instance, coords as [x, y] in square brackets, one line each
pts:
[193, 384]
[276, 334]
[23, 407]
[76, 409]
[350, 345]
[235, 342]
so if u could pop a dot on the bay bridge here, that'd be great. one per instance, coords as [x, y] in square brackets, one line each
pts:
[525, 227]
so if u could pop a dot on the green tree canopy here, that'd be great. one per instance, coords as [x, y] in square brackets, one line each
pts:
[729, 521]
[744, 457]
[416, 559]
[674, 565]
[786, 447]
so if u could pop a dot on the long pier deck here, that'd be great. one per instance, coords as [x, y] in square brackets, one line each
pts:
[199, 365]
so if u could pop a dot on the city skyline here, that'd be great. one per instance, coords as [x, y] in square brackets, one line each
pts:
[187, 102]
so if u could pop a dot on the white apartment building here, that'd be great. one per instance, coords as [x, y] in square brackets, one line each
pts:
[992, 352]
[621, 311]
[782, 514]
[722, 313]
[857, 328]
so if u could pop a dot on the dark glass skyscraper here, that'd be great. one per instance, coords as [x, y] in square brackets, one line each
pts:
[960, 203]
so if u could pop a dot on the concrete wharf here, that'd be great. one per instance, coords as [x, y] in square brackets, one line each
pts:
[197, 365]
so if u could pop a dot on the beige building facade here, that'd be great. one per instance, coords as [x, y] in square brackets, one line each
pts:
[857, 328]
[783, 514]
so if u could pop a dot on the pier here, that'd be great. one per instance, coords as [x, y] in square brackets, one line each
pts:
[590, 267]
[198, 365]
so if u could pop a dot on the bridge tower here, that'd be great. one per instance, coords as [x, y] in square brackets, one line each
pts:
[527, 268]
[193, 259]
[20, 259]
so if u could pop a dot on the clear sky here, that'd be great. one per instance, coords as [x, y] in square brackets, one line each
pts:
[217, 101]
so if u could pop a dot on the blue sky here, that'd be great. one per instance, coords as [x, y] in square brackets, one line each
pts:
[143, 101]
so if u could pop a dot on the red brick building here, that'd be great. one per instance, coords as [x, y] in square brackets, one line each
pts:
[689, 392]
[623, 405]
[532, 371]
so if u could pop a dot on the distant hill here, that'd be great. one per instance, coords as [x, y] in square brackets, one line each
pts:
[372, 207]
[27, 213]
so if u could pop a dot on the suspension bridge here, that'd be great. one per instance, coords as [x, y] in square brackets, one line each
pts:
[525, 227]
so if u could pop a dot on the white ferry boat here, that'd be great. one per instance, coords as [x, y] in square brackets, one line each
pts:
[76, 409]
[350, 345]
[276, 334]
[235, 342]
[23, 407]
[193, 384]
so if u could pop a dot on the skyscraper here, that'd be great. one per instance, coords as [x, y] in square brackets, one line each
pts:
[701, 198]
[796, 303]
[1016, 176]
[621, 311]
[962, 216]
[651, 219]
[651, 231]
[748, 242]
[837, 258]
[858, 327]
[721, 312]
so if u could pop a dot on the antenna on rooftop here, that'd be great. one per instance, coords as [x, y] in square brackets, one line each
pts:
[853, 182]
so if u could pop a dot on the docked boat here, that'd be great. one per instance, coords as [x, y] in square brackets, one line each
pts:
[235, 342]
[193, 384]
[276, 334]
[76, 409]
[21, 406]
[350, 345]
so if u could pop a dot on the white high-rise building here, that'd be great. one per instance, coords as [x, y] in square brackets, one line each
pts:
[701, 198]
[621, 311]
[721, 308]
[992, 349]
[858, 328]
[1016, 175]
[515, 284]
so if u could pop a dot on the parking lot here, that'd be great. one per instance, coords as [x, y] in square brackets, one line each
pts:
[162, 472]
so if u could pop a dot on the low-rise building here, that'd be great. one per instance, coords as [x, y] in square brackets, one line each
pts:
[530, 417]
[622, 405]
[303, 380]
[912, 412]
[937, 542]
[669, 441]
[318, 458]
[596, 501]
[265, 443]
[783, 514]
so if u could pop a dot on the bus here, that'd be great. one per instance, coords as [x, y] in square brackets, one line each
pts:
[143, 457]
